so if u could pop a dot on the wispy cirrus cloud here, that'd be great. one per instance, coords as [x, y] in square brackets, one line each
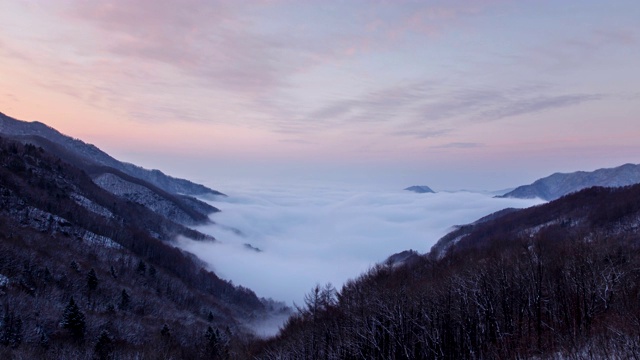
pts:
[425, 111]
[572, 52]
[459, 145]
[536, 103]
[209, 40]
[422, 133]
[232, 49]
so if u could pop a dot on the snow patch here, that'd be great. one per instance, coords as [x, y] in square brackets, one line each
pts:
[4, 281]
[91, 206]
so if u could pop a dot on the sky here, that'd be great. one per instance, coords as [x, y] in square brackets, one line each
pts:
[452, 94]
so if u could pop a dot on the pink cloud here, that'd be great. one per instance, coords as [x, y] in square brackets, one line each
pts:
[204, 39]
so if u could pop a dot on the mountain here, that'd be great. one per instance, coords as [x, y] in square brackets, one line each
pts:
[87, 274]
[555, 281]
[420, 189]
[559, 184]
[12, 127]
[168, 196]
[595, 212]
[402, 258]
[451, 239]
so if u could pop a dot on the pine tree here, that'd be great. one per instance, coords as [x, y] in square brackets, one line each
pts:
[165, 330]
[92, 280]
[104, 346]
[47, 276]
[73, 320]
[112, 270]
[152, 271]
[125, 299]
[212, 346]
[74, 265]
[142, 268]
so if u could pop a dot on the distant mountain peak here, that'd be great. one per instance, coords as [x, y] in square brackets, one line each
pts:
[420, 189]
[559, 184]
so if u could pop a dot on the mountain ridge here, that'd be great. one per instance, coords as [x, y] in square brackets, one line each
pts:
[14, 127]
[559, 184]
[168, 196]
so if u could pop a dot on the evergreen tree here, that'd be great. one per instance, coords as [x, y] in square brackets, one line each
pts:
[125, 299]
[152, 271]
[212, 343]
[112, 270]
[165, 330]
[104, 346]
[47, 276]
[142, 268]
[74, 265]
[73, 320]
[92, 280]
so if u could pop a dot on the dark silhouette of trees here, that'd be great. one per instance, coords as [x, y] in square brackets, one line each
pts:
[92, 280]
[11, 332]
[142, 268]
[73, 320]
[125, 300]
[104, 346]
[567, 289]
[165, 331]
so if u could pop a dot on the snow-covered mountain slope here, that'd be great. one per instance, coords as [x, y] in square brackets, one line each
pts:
[560, 184]
[167, 196]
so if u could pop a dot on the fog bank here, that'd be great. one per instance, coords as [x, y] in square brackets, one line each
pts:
[281, 240]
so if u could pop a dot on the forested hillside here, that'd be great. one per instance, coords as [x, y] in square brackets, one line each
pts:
[85, 274]
[560, 280]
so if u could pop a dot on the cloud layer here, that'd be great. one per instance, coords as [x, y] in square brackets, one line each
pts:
[317, 235]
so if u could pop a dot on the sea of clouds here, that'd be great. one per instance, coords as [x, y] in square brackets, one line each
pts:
[315, 235]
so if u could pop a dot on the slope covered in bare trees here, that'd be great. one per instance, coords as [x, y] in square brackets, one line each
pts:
[560, 280]
[85, 274]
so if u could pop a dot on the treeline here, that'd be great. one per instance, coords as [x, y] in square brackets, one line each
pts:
[537, 299]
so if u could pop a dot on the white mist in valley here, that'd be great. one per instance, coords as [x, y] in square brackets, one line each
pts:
[281, 241]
